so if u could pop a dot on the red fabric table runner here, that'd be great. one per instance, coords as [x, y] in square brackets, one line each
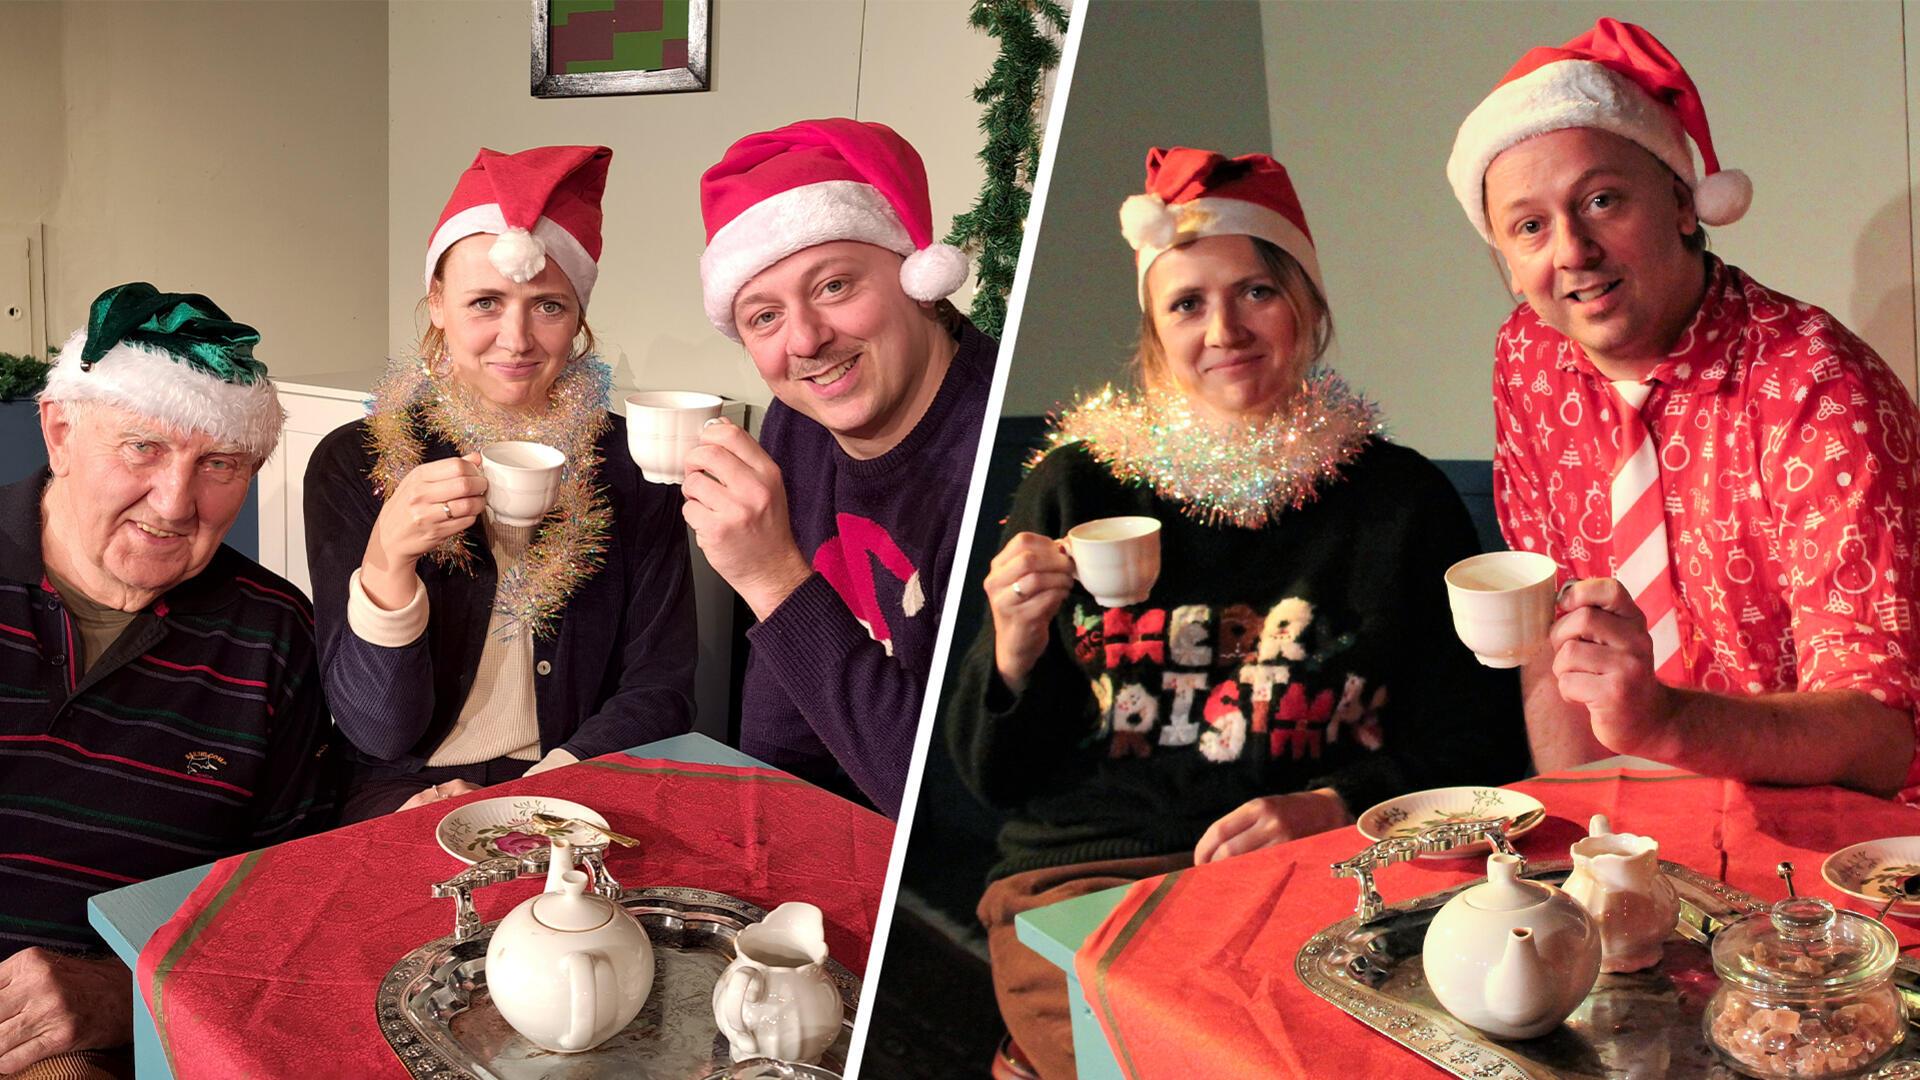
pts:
[1192, 974]
[271, 966]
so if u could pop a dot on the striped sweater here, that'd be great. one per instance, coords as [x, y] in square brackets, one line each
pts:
[199, 733]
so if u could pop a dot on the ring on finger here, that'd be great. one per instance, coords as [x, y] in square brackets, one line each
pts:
[447, 509]
[1018, 591]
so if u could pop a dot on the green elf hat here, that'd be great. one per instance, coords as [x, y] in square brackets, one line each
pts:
[174, 357]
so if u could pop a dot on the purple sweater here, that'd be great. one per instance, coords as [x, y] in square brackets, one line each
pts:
[836, 673]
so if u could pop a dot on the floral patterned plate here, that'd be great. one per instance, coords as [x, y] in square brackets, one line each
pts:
[1420, 810]
[491, 828]
[1870, 872]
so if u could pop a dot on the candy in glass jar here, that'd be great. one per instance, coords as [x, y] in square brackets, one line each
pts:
[1805, 991]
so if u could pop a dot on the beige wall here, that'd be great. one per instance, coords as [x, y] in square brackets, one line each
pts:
[1136, 84]
[30, 127]
[458, 81]
[233, 149]
[1809, 99]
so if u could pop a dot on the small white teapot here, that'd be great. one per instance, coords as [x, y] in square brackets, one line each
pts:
[776, 999]
[1617, 878]
[567, 968]
[1511, 957]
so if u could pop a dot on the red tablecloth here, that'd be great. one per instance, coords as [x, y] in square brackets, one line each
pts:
[1192, 975]
[271, 966]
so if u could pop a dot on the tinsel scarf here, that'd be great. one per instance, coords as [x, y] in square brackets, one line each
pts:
[1244, 475]
[571, 540]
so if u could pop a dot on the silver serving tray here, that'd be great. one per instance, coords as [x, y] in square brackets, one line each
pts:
[436, 1014]
[1644, 1024]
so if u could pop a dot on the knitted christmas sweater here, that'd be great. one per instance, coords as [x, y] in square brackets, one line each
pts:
[1315, 652]
[836, 673]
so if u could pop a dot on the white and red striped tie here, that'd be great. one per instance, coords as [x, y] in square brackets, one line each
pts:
[1640, 553]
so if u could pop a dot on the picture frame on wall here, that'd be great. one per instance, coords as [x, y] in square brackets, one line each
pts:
[589, 48]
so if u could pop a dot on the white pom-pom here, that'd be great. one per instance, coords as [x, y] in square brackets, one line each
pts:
[933, 272]
[1146, 222]
[1723, 198]
[518, 255]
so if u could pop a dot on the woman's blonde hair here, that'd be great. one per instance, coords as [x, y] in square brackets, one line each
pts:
[433, 340]
[1313, 322]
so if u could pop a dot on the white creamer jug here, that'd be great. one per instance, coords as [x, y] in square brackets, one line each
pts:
[1617, 878]
[777, 999]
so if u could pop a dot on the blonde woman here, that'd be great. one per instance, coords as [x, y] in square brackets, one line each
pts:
[458, 651]
[1295, 661]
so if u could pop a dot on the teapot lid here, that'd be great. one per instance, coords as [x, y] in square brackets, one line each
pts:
[572, 909]
[1803, 944]
[1505, 889]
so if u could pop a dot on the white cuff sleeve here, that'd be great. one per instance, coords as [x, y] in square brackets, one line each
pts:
[556, 758]
[377, 626]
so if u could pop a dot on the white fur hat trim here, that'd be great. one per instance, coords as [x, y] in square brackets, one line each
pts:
[1565, 94]
[151, 383]
[555, 243]
[793, 220]
[1203, 217]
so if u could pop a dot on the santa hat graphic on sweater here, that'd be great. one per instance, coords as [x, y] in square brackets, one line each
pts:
[1198, 193]
[814, 182]
[1616, 78]
[541, 203]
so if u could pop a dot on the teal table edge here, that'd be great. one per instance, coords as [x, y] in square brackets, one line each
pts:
[1057, 931]
[128, 917]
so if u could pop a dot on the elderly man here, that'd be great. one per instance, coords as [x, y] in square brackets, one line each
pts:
[838, 528]
[1725, 475]
[162, 704]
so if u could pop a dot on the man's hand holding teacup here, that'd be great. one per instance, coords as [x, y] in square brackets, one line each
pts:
[737, 507]
[1603, 659]
[51, 1003]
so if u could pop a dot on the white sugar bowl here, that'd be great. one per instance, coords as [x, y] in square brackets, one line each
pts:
[567, 968]
[1509, 956]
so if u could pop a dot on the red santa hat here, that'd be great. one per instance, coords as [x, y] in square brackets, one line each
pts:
[1197, 193]
[1617, 78]
[541, 203]
[814, 182]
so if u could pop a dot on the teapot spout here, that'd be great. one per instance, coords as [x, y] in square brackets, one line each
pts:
[1520, 992]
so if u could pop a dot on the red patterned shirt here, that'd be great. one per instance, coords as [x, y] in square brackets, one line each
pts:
[1788, 464]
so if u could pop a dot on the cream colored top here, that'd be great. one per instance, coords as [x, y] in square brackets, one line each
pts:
[498, 718]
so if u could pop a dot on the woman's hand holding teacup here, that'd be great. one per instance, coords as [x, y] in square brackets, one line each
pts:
[436, 500]
[1026, 585]
[1270, 820]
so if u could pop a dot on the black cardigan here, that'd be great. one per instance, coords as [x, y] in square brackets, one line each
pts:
[617, 671]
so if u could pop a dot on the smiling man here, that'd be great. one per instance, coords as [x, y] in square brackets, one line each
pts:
[1725, 475]
[161, 699]
[838, 527]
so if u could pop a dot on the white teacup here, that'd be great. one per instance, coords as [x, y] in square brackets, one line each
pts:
[662, 425]
[1502, 604]
[523, 480]
[1116, 558]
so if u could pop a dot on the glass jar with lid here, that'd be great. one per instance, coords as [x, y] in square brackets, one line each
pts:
[1805, 991]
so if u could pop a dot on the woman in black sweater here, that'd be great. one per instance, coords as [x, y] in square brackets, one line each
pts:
[1295, 661]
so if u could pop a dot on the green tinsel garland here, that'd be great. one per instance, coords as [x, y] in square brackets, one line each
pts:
[992, 230]
[21, 377]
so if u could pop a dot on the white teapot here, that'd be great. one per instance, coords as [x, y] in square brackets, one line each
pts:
[1617, 878]
[1511, 957]
[567, 968]
[776, 999]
